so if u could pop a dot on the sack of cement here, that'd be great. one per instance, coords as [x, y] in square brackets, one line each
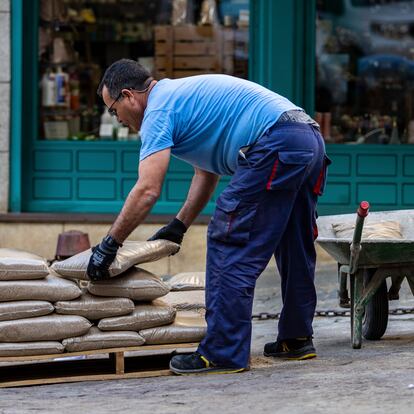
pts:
[136, 284]
[187, 281]
[130, 254]
[30, 348]
[24, 309]
[96, 339]
[144, 316]
[94, 307]
[187, 327]
[379, 230]
[186, 300]
[52, 289]
[20, 265]
[43, 328]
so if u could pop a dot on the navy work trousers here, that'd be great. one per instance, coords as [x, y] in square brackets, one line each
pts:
[269, 208]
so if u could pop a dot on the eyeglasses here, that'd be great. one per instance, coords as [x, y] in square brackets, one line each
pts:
[112, 111]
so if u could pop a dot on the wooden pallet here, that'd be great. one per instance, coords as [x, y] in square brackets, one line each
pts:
[193, 50]
[103, 364]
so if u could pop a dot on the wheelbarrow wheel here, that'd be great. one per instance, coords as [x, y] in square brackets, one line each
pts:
[375, 320]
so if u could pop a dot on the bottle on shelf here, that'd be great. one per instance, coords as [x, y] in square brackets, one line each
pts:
[48, 89]
[106, 128]
[62, 88]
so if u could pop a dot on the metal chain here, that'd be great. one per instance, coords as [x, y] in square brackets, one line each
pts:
[262, 316]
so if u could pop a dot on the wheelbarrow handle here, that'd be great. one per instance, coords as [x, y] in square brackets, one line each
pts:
[363, 209]
[362, 212]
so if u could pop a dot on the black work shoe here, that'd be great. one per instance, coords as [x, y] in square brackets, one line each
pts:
[196, 364]
[296, 349]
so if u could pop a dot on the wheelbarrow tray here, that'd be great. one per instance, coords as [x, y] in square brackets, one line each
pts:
[374, 252]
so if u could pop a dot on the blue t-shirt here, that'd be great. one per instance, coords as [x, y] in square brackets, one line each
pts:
[206, 119]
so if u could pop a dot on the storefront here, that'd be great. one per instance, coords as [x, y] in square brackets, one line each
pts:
[68, 155]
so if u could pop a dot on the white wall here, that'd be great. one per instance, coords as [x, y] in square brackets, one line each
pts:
[5, 56]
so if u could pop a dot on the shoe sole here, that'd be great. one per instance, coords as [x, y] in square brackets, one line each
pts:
[206, 371]
[292, 358]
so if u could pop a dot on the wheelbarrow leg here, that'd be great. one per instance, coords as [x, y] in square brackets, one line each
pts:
[343, 291]
[394, 292]
[357, 314]
[410, 278]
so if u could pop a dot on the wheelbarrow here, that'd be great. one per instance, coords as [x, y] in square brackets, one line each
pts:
[366, 264]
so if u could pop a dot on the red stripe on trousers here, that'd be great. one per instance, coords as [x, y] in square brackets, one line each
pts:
[272, 175]
[318, 185]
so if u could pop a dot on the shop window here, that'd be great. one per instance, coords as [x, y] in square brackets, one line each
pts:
[78, 39]
[365, 71]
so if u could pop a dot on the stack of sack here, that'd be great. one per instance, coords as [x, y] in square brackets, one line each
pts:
[187, 291]
[44, 311]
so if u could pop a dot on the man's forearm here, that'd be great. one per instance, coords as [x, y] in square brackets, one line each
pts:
[137, 206]
[200, 192]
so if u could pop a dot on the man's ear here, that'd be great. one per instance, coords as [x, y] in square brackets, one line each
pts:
[127, 93]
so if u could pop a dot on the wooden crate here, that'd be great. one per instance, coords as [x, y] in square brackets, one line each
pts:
[103, 364]
[193, 50]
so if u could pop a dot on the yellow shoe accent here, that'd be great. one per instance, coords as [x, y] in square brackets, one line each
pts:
[206, 361]
[234, 371]
[303, 357]
[230, 371]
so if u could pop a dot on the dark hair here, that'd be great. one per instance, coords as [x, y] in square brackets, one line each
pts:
[124, 73]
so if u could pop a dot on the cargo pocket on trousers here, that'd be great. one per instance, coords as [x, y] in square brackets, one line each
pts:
[320, 185]
[289, 170]
[232, 221]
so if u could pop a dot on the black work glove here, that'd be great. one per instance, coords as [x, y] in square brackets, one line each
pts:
[102, 256]
[173, 231]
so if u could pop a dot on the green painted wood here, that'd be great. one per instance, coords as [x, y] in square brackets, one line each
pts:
[16, 105]
[380, 174]
[52, 188]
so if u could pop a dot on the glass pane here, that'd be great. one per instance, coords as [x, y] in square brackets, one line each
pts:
[79, 39]
[365, 71]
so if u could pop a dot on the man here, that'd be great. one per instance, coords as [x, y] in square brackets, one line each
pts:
[227, 126]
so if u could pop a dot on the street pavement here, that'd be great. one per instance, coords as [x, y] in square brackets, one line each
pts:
[379, 378]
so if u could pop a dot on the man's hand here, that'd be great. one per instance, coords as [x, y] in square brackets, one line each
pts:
[173, 231]
[102, 256]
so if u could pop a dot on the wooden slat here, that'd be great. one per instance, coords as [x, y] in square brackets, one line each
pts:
[160, 49]
[194, 48]
[187, 62]
[160, 62]
[79, 378]
[160, 32]
[208, 62]
[190, 32]
[193, 32]
[143, 348]
[119, 363]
